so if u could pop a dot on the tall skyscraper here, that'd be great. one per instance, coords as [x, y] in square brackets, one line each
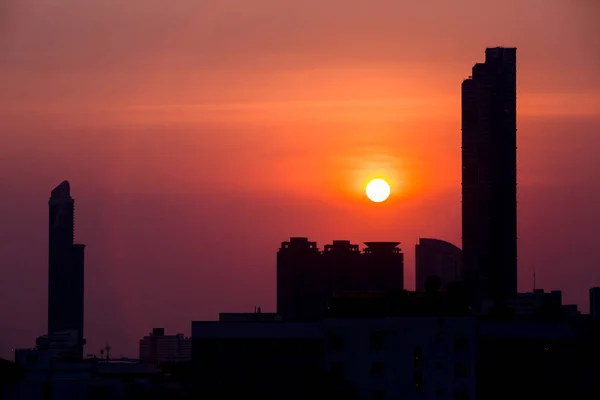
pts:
[489, 177]
[437, 257]
[65, 270]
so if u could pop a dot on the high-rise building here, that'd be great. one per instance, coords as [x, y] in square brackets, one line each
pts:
[299, 280]
[383, 267]
[307, 278]
[379, 267]
[439, 258]
[343, 263]
[489, 177]
[65, 269]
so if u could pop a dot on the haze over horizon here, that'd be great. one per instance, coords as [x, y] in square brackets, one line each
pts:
[197, 136]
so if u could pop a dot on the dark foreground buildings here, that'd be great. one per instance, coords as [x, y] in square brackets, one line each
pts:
[400, 345]
[65, 273]
[489, 177]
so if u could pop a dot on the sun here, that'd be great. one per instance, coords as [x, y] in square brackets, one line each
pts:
[378, 190]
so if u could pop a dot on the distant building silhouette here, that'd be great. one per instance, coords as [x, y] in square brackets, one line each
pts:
[159, 348]
[65, 270]
[489, 177]
[437, 257]
[307, 277]
[537, 303]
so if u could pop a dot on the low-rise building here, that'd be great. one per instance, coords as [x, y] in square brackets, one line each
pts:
[374, 346]
[45, 376]
[534, 359]
[159, 348]
[254, 356]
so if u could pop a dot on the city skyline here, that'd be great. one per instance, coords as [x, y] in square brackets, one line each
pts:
[174, 186]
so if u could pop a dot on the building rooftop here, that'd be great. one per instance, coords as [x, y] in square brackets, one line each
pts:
[62, 191]
[379, 304]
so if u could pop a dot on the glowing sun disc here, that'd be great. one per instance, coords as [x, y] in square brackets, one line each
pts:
[378, 190]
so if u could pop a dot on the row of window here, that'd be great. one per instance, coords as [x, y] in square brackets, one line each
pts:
[459, 394]
[378, 370]
[377, 342]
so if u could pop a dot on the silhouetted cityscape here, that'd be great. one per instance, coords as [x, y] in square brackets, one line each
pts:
[345, 326]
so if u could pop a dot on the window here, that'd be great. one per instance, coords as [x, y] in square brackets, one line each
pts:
[461, 370]
[46, 391]
[377, 341]
[418, 379]
[439, 391]
[32, 358]
[418, 356]
[336, 343]
[337, 370]
[461, 343]
[461, 394]
[378, 395]
[99, 392]
[438, 366]
[377, 369]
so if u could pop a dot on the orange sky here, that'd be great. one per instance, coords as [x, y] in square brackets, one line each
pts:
[197, 135]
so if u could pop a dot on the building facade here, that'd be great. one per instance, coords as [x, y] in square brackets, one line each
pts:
[65, 269]
[263, 358]
[159, 348]
[307, 277]
[368, 346]
[299, 280]
[489, 177]
[45, 377]
[536, 303]
[404, 357]
[434, 257]
[535, 359]
[595, 304]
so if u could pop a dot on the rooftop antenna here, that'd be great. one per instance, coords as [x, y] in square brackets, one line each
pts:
[534, 279]
[107, 348]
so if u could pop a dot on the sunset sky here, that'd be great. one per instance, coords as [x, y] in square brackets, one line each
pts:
[199, 134]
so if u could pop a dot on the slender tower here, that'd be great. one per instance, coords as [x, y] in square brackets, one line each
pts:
[489, 177]
[65, 270]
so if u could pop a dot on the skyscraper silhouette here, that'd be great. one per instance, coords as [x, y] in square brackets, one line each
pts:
[65, 268]
[489, 177]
